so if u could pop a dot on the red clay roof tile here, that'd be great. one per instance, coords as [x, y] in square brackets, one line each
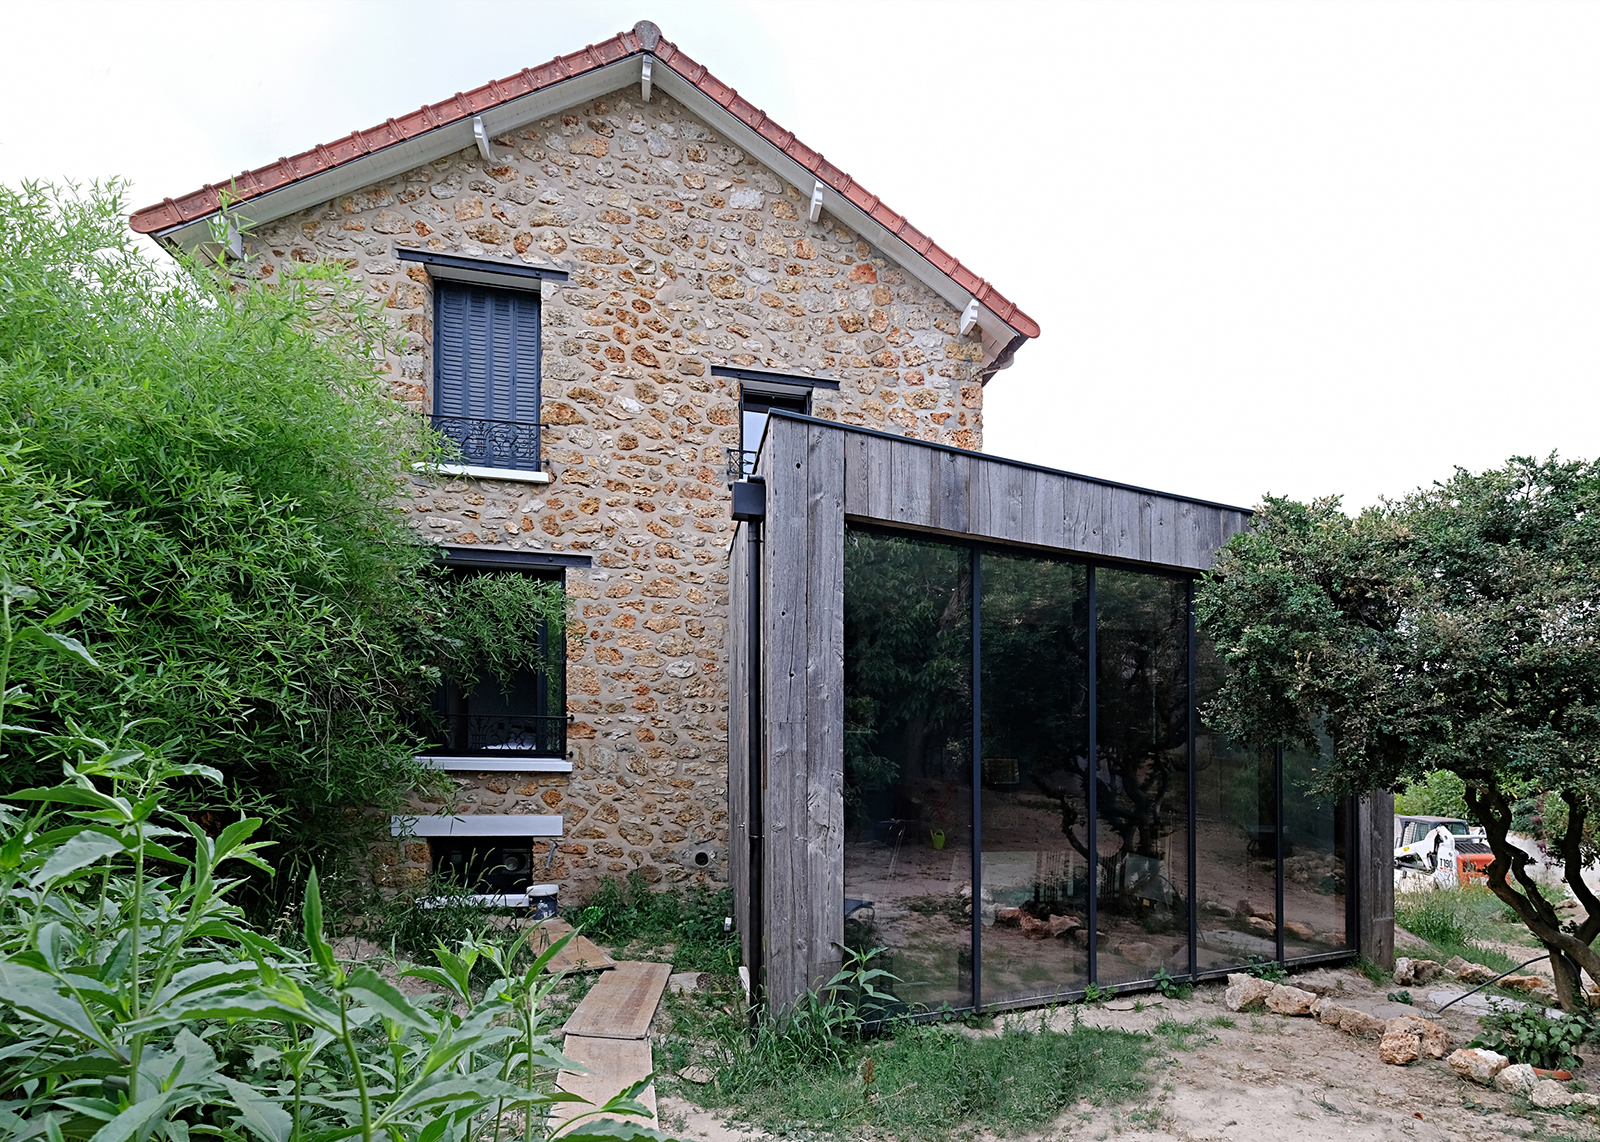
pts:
[463, 105]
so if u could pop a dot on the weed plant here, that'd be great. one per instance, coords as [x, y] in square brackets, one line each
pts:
[1452, 920]
[831, 1064]
[692, 923]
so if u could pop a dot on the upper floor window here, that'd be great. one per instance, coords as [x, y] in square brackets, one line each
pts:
[486, 373]
[760, 394]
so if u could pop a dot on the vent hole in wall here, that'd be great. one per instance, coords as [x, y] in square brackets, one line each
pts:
[702, 859]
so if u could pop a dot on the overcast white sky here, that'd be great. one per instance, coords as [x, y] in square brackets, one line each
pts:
[1288, 248]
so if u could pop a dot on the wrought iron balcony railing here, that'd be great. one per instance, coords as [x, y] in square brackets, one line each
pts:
[493, 443]
[500, 735]
[740, 464]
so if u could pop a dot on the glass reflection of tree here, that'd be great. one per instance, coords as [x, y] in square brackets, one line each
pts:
[1141, 792]
[907, 660]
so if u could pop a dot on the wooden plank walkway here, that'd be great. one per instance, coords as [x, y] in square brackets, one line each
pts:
[580, 954]
[621, 1003]
[609, 1035]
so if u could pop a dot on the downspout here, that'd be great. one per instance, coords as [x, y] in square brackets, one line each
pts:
[754, 785]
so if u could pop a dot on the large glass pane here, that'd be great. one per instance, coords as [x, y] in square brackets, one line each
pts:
[908, 761]
[1035, 888]
[1142, 808]
[1235, 838]
[1313, 860]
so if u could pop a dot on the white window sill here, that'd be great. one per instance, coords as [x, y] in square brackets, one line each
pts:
[515, 475]
[496, 764]
[491, 900]
[477, 825]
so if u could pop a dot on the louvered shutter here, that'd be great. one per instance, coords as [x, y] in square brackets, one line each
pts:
[486, 368]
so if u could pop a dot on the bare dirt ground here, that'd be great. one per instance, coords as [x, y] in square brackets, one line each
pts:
[1268, 1077]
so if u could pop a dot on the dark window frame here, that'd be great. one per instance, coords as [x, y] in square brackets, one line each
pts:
[511, 443]
[766, 391]
[549, 714]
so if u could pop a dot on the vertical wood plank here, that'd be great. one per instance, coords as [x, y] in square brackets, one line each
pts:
[911, 477]
[1164, 523]
[1374, 831]
[952, 491]
[856, 500]
[739, 682]
[1046, 511]
[879, 504]
[823, 864]
[784, 654]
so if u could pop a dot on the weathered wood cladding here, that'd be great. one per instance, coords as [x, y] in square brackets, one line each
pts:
[740, 681]
[817, 475]
[908, 484]
[1374, 877]
[802, 706]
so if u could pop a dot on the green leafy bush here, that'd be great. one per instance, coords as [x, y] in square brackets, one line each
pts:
[137, 1002]
[1526, 1034]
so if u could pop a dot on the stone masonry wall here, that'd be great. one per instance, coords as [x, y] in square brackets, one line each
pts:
[683, 253]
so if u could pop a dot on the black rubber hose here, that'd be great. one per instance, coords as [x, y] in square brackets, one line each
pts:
[1496, 979]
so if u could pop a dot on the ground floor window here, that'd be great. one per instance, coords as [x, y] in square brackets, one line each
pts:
[1032, 801]
[505, 704]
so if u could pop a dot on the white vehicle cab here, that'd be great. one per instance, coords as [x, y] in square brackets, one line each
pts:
[1439, 851]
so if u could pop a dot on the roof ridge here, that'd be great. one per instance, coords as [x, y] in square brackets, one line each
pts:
[644, 37]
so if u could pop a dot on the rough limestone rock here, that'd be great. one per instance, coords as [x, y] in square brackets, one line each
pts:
[1410, 973]
[1435, 1039]
[1321, 1007]
[1550, 1095]
[1518, 1078]
[1262, 926]
[1285, 1000]
[1529, 984]
[1362, 1024]
[1586, 1101]
[1475, 973]
[1299, 930]
[1062, 925]
[1454, 964]
[1008, 917]
[1245, 991]
[1478, 1065]
[1399, 1048]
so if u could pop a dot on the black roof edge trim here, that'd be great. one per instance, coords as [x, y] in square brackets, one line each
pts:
[774, 376]
[778, 412]
[532, 560]
[481, 265]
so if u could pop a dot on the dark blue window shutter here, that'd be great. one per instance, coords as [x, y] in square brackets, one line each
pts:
[486, 368]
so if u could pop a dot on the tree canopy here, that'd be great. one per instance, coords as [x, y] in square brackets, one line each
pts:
[1454, 630]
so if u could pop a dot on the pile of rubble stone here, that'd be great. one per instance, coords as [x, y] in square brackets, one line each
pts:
[1401, 1040]
[1490, 1068]
[1411, 973]
[1407, 1038]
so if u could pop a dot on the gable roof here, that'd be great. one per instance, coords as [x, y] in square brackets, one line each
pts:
[363, 157]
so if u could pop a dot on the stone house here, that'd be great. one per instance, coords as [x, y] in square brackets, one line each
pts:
[604, 274]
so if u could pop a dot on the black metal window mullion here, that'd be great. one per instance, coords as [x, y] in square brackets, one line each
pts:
[1277, 782]
[977, 777]
[1092, 768]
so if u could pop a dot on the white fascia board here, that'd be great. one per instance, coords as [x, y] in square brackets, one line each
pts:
[495, 764]
[477, 825]
[738, 131]
[397, 158]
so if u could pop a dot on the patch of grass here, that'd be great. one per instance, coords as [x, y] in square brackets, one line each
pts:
[1227, 1022]
[1373, 970]
[1179, 1034]
[690, 924]
[914, 1081]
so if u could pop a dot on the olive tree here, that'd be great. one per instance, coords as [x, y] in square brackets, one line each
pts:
[1454, 630]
